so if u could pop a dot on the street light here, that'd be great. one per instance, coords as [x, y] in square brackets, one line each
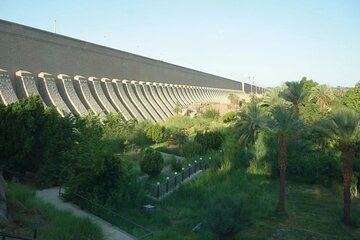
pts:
[35, 224]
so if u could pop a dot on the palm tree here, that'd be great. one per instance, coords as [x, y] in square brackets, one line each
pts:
[251, 120]
[295, 94]
[282, 124]
[323, 95]
[343, 127]
[272, 99]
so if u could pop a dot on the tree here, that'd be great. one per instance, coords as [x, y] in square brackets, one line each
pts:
[352, 98]
[295, 94]
[323, 95]
[272, 99]
[156, 132]
[343, 127]
[282, 124]
[252, 119]
[152, 162]
[21, 139]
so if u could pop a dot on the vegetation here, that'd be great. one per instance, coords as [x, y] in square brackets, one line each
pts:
[282, 125]
[152, 163]
[295, 94]
[24, 207]
[229, 117]
[344, 128]
[211, 114]
[296, 147]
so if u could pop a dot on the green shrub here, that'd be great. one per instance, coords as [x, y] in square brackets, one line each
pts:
[235, 153]
[229, 117]
[156, 132]
[227, 215]
[209, 140]
[191, 148]
[177, 136]
[152, 163]
[99, 179]
[175, 164]
[211, 114]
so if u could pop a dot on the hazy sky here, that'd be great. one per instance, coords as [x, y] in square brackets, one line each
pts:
[276, 41]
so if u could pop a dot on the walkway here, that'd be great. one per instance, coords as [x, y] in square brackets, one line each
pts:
[110, 232]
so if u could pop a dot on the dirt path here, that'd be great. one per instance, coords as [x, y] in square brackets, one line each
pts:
[110, 232]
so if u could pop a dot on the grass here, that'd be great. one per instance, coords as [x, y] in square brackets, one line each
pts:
[312, 211]
[24, 207]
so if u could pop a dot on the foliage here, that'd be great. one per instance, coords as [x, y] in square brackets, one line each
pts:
[21, 143]
[227, 215]
[237, 154]
[211, 114]
[252, 119]
[295, 94]
[229, 117]
[156, 132]
[209, 140]
[152, 163]
[272, 98]
[99, 178]
[177, 136]
[191, 148]
[23, 204]
[322, 95]
[34, 139]
[175, 164]
[343, 127]
[352, 98]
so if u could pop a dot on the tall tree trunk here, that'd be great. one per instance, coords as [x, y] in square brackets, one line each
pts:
[296, 113]
[282, 144]
[347, 155]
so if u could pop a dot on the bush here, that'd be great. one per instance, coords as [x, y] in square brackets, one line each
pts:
[227, 215]
[234, 152]
[229, 117]
[191, 148]
[177, 136]
[175, 164]
[152, 163]
[156, 133]
[211, 114]
[100, 179]
[209, 140]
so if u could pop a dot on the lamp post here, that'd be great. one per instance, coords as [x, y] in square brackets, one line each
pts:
[189, 169]
[35, 224]
[175, 179]
[158, 190]
[167, 184]
[182, 174]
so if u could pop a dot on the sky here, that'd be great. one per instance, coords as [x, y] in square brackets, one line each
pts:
[273, 40]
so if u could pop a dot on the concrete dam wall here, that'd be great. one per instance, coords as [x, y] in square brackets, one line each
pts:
[77, 77]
